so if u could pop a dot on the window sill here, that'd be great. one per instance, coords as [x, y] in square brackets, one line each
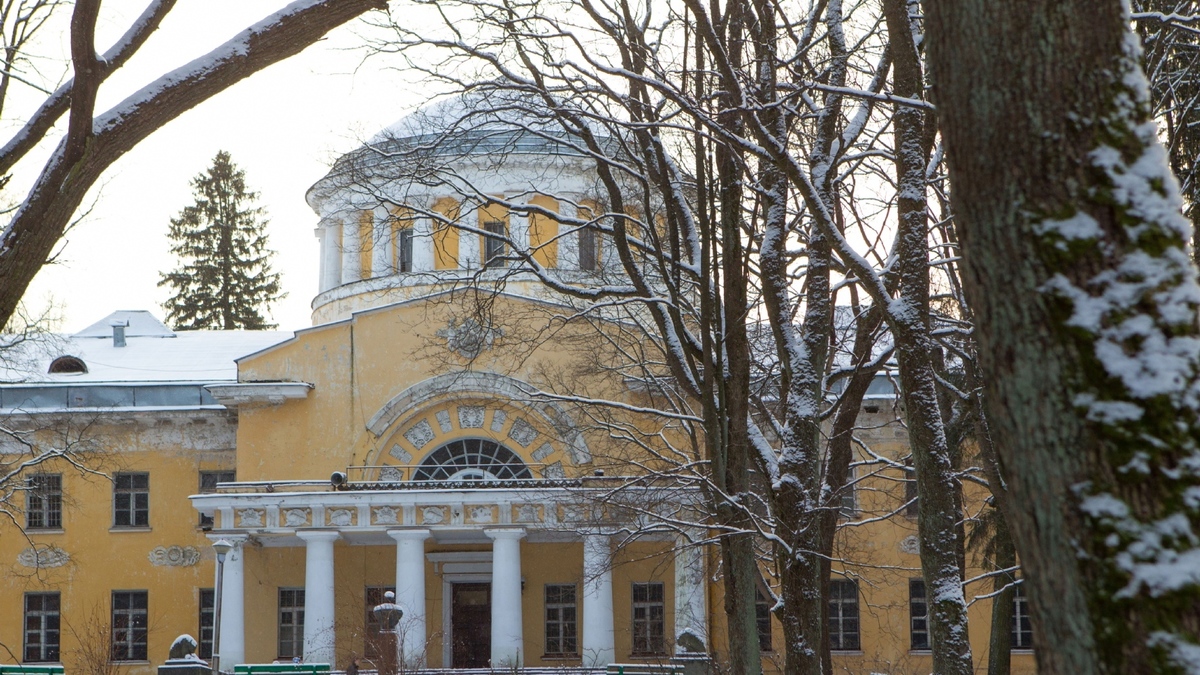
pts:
[131, 662]
[1021, 650]
[662, 655]
[46, 530]
[131, 528]
[846, 652]
[921, 652]
[560, 657]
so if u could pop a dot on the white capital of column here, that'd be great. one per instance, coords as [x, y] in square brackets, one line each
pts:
[691, 606]
[508, 639]
[233, 603]
[410, 594]
[599, 648]
[318, 595]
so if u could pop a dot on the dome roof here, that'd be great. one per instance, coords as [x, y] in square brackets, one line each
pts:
[480, 109]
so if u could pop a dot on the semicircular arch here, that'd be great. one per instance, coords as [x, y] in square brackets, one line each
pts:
[457, 403]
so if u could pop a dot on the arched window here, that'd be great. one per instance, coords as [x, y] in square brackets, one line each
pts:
[472, 459]
[66, 365]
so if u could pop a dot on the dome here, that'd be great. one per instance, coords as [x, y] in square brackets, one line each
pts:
[469, 183]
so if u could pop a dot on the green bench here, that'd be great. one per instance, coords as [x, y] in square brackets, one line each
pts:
[643, 669]
[280, 669]
[31, 670]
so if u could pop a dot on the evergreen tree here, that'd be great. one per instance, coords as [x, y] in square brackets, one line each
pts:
[225, 279]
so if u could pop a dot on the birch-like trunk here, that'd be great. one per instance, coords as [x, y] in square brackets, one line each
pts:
[1086, 301]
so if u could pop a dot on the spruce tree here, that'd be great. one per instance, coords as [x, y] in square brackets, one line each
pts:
[224, 280]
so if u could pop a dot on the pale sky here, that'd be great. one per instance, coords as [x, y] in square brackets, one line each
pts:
[284, 126]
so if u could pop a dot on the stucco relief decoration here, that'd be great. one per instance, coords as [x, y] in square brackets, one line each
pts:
[522, 432]
[481, 514]
[469, 338]
[420, 434]
[910, 545]
[391, 474]
[554, 470]
[341, 517]
[386, 515]
[41, 558]
[528, 513]
[573, 513]
[250, 517]
[400, 454]
[470, 417]
[433, 515]
[543, 452]
[295, 517]
[443, 420]
[174, 556]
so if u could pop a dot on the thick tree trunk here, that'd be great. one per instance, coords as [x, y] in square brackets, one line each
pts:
[938, 520]
[1086, 303]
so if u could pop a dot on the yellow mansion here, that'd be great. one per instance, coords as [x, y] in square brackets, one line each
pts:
[430, 434]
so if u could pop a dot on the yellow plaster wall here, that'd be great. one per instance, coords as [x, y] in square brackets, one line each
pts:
[104, 558]
[445, 236]
[543, 232]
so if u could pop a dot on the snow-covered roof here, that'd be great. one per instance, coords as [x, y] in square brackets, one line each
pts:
[137, 322]
[152, 354]
[482, 109]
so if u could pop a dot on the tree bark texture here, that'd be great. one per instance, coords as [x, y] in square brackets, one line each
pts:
[938, 517]
[1076, 266]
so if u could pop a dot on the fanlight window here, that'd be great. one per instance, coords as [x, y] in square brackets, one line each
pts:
[472, 459]
[67, 364]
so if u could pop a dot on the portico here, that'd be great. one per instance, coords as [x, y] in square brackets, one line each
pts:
[463, 534]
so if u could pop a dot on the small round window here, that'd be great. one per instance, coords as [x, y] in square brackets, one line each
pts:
[472, 459]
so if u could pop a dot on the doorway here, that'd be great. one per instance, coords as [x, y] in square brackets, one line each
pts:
[471, 625]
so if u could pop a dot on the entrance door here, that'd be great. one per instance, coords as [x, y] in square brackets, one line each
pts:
[471, 625]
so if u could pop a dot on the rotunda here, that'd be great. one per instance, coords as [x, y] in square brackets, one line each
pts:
[478, 187]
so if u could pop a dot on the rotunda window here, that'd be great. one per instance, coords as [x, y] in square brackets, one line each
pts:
[472, 459]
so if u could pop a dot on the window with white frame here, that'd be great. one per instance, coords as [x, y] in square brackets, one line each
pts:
[762, 617]
[561, 615]
[843, 615]
[207, 620]
[404, 249]
[208, 483]
[131, 500]
[649, 619]
[1022, 629]
[589, 249]
[291, 622]
[130, 617]
[42, 627]
[494, 246]
[918, 616]
[43, 502]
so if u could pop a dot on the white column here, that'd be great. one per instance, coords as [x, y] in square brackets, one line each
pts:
[508, 640]
[233, 603]
[351, 262]
[383, 255]
[318, 595]
[410, 594]
[423, 260]
[691, 607]
[330, 233]
[599, 648]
